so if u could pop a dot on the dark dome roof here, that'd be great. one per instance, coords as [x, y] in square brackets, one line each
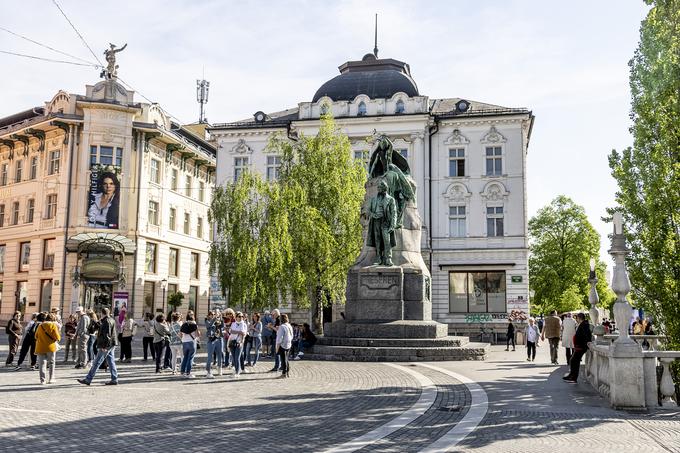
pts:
[373, 77]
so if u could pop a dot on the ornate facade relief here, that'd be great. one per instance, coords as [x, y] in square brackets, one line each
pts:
[59, 103]
[241, 147]
[456, 138]
[495, 191]
[457, 192]
[493, 136]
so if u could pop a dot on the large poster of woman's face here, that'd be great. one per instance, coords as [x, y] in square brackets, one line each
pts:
[104, 198]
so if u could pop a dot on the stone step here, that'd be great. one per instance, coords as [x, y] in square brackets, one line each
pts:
[472, 351]
[394, 342]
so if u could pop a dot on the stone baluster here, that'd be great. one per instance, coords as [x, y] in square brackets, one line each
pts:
[594, 299]
[621, 285]
[667, 386]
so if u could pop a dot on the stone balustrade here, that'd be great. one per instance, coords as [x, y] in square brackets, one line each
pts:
[628, 377]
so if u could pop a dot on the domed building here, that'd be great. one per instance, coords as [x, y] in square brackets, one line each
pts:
[468, 159]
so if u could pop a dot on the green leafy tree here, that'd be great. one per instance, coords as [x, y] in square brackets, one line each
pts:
[324, 189]
[175, 300]
[562, 241]
[648, 173]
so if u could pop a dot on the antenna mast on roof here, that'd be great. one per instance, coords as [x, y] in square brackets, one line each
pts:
[375, 49]
[202, 87]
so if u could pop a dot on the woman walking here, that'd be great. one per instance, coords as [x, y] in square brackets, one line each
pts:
[189, 331]
[128, 331]
[161, 339]
[532, 339]
[284, 340]
[46, 338]
[254, 332]
[175, 341]
[92, 331]
[510, 336]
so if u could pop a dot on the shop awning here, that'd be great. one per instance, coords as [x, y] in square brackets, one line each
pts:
[93, 242]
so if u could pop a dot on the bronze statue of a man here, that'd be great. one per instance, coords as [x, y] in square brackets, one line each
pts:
[381, 225]
[110, 54]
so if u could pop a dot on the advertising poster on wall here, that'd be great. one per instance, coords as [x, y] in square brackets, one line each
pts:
[120, 305]
[104, 197]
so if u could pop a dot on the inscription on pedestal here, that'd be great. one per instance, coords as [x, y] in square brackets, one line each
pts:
[380, 286]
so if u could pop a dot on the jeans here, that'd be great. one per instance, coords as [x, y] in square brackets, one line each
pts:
[531, 350]
[108, 355]
[91, 348]
[256, 343]
[13, 348]
[147, 342]
[575, 363]
[215, 347]
[235, 348]
[188, 349]
[159, 346]
[554, 347]
[83, 349]
[285, 364]
[27, 345]
[176, 350]
[45, 362]
[70, 344]
[510, 339]
[126, 348]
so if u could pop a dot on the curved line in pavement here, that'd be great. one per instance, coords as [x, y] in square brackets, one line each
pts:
[478, 409]
[428, 395]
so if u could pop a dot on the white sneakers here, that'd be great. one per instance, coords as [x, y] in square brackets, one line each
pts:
[220, 371]
[209, 376]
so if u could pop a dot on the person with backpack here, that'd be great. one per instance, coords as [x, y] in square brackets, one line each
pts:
[46, 338]
[28, 343]
[161, 339]
[13, 331]
[82, 337]
[106, 349]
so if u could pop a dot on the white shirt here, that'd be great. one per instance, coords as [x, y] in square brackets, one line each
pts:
[284, 336]
[568, 332]
[532, 335]
[96, 216]
[236, 328]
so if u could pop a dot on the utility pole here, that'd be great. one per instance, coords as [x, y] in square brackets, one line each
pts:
[202, 87]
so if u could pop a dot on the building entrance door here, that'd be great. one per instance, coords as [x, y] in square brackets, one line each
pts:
[98, 296]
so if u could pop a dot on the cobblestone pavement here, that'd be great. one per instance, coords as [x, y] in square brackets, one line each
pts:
[322, 405]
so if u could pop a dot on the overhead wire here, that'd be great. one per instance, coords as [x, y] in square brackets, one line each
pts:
[45, 46]
[77, 32]
[51, 60]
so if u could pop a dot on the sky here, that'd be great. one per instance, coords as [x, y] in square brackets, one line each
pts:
[565, 61]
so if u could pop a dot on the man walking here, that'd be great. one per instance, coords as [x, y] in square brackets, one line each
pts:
[106, 349]
[82, 337]
[581, 339]
[568, 332]
[13, 331]
[551, 331]
[28, 343]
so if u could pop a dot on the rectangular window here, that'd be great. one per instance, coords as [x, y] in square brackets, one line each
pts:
[494, 221]
[199, 228]
[106, 155]
[201, 191]
[494, 161]
[403, 152]
[150, 257]
[173, 260]
[155, 171]
[30, 209]
[93, 156]
[48, 253]
[15, 213]
[45, 294]
[193, 297]
[457, 221]
[19, 172]
[362, 156]
[22, 293]
[187, 185]
[51, 210]
[457, 162]
[187, 223]
[34, 167]
[273, 168]
[24, 256]
[149, 296]
[53, 167]
[173, 179]
[3, 175]
[194, 265]
[153, 212]
[2, 215]
[172, 288]
[2, 258]
[119, 157]
[173, 219]
[477, 292]
[240, 165]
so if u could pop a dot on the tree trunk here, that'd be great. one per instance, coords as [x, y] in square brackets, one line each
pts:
[317, 311]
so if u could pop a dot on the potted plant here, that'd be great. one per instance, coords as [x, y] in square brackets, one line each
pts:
[175, 300]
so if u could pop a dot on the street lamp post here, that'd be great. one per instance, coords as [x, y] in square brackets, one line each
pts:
[594, 299]
[164, 286]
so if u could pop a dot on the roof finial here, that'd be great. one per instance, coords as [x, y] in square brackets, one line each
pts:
[375, 49]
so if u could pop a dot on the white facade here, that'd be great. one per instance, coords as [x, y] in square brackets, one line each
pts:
[474, 212]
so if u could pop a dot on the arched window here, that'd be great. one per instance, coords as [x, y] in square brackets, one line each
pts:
[324, 109]
[400, 107]
[361, 111]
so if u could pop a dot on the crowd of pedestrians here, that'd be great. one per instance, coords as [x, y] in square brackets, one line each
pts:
[233, 340]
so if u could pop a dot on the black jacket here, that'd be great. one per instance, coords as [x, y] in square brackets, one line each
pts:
[107, 337]
[583, 336]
